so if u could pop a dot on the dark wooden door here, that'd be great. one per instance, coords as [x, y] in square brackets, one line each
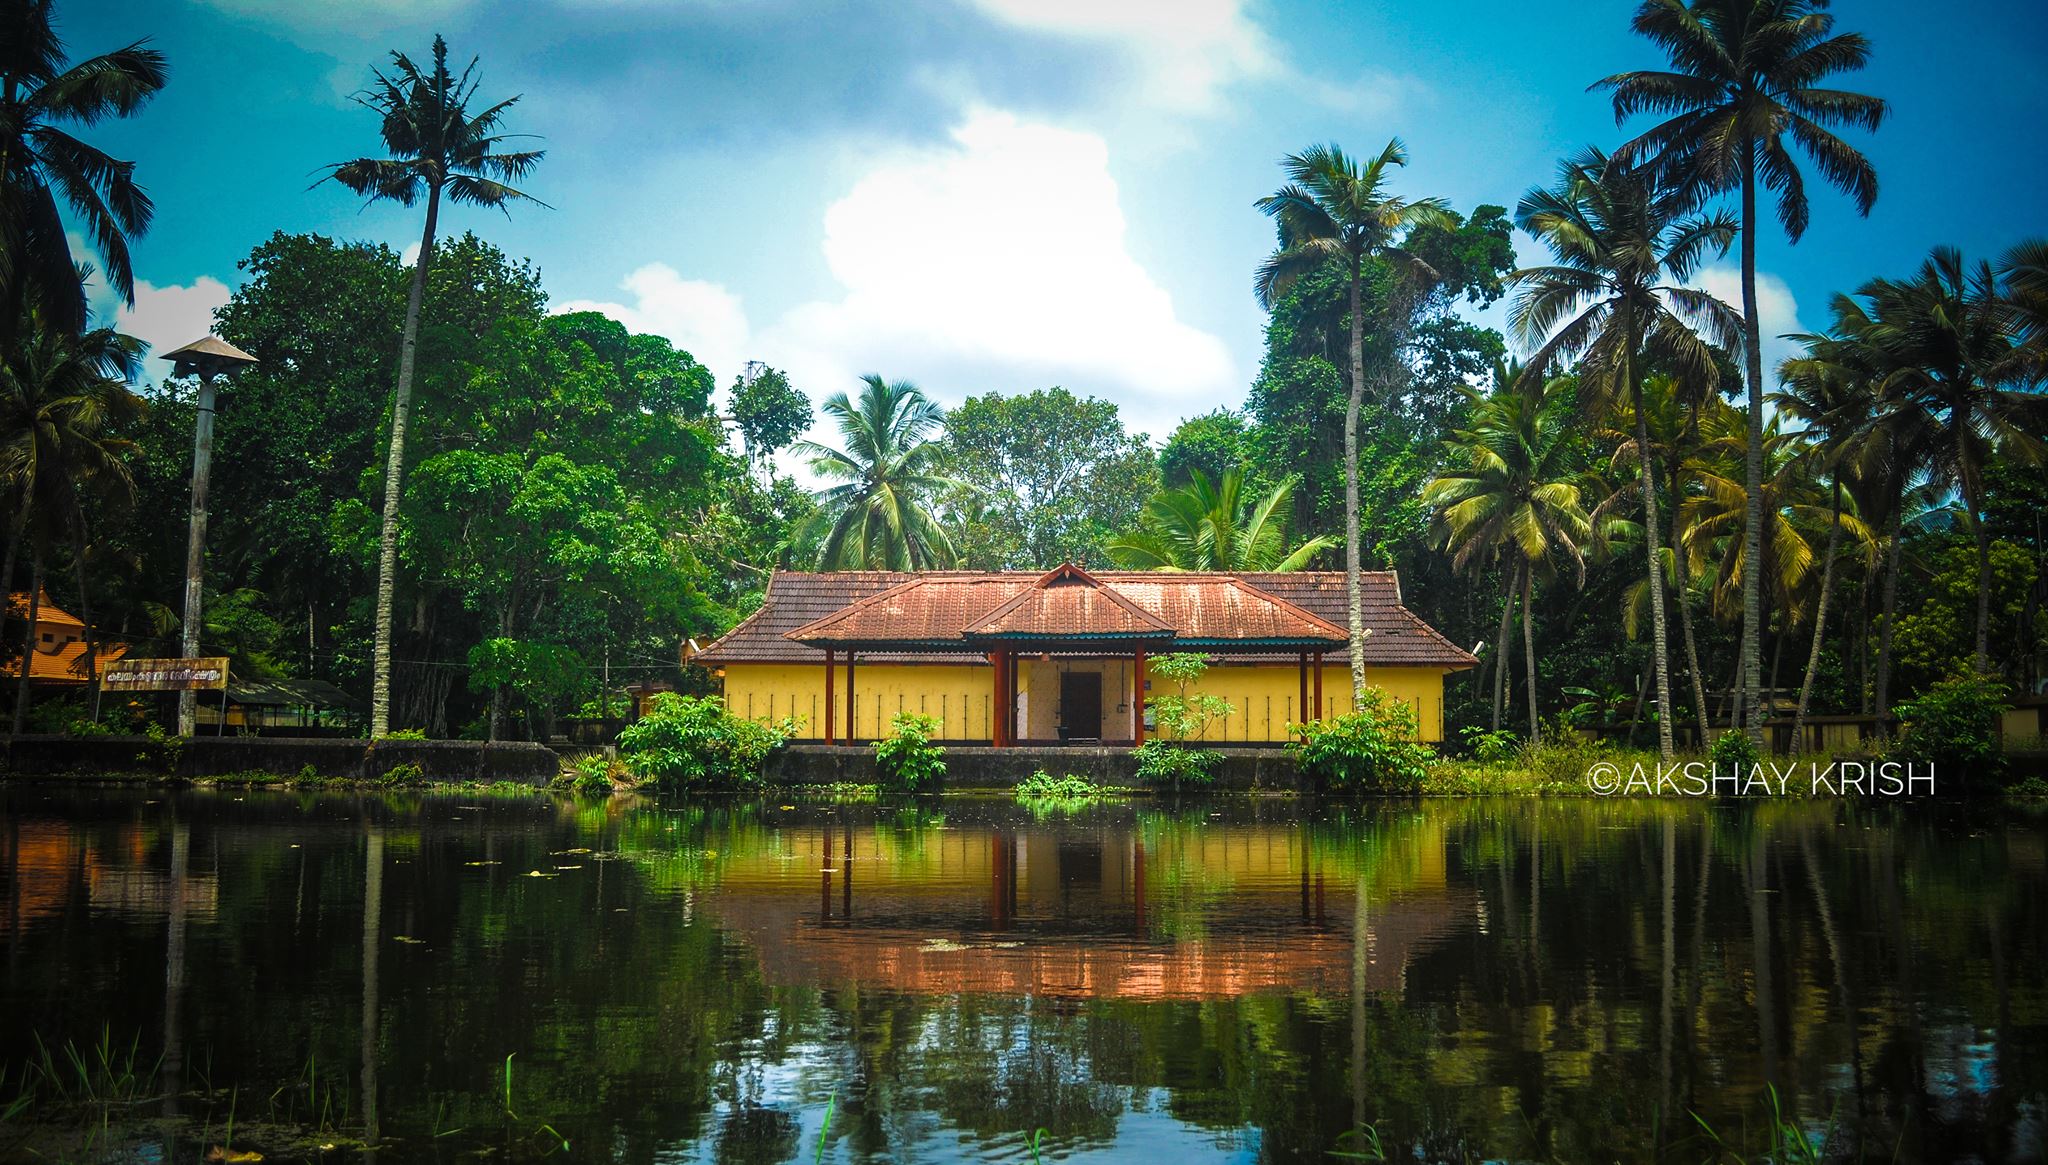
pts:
[1081, 705]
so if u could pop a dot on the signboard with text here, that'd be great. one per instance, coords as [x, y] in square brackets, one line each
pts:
[166, 675]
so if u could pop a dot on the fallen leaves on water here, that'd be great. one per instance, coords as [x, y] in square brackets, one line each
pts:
[232, 1155]
[408, 939]
[556, 853]
[538, 874]
[483, 863]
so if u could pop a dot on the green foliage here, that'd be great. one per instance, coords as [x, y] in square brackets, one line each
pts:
[405, 774]
[1044, 478]
[695, 742]
[1491, 747]
[161, 750]
[1370, 750]
[1734, 752]
[592, 775]
[768, 411]
[1936, 635]
[1214, 443]
[877, 516]
[405, 734]
[1208, 525]
[1954, 727]
[1176, 763]
[907, 758]
[1042, 785]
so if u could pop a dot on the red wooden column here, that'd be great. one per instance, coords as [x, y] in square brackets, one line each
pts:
[1319, 683]
[831, 657]
[1138, 698]
[849, 696]
[1301, 673]
[998, 723]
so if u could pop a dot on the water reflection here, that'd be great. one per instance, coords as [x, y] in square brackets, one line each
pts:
[1237, 980]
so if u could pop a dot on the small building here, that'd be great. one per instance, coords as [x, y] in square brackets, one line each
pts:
[58, 659]
[1022, 657]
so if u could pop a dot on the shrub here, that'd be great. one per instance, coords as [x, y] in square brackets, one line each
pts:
[84, 726]
[694, 742]
[162, 749]
[1169, 762]
[907, 758]
[1491, 746]
[1042, 785]
[407, 773]
[1734, 752]
[591, 775]
[1170, 758]
[1953, 726]
[1370, 750]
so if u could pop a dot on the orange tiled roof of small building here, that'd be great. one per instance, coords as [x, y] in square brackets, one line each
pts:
[65, 665]
[921, 614]
[48, 614]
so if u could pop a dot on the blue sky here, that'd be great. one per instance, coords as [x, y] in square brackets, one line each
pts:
[993, 194]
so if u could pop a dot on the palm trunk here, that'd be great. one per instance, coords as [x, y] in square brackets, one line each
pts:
[92, 662]
[1820, 619]
[1659, 656]
[1529, 651]
[1893, 553]
[1500, 647]
[1753, 460]
[1679, 580]
[28, 641]
[394, 470]
[1353, 598]
[1983, 575]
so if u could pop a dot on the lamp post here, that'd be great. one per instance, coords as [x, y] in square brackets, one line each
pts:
[207, 359]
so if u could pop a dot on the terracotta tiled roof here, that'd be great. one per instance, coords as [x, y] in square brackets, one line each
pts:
[66, 664]
[49, 616]
[941, 607]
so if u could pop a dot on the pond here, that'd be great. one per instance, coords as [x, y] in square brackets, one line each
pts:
[460, 977]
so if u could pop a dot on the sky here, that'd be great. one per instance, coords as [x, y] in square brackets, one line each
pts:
[994, 195]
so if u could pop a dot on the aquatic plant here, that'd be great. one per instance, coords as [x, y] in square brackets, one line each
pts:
[1042, 785]
[1371, 750]
[1785, 1141]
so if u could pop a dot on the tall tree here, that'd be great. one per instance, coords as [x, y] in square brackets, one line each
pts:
[438, 147]
[1950, 366]
[1055, 475]
[889, 474]
[1335, 207]
[1512, 489]
[63, 399]
[1623, 255]
[1207, 525]
[1745, 76]
[41, 162]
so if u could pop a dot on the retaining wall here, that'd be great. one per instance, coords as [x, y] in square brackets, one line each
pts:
[981, 767]
[214, 756]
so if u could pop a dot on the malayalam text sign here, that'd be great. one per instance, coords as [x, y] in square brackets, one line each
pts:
[166, 675]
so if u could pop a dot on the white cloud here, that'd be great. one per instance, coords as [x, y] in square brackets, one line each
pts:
[703, 319]
[999, 262]
[1777, 311]
[171, 317]
[1186, 50]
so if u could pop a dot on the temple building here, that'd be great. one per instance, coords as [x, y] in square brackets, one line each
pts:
[1028, 658]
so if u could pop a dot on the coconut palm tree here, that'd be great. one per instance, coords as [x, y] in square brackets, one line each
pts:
[42, 163]
[1674, 409]
[1206, 525]
[1336, 209]
[1950, 363]
[1615, 292]
[1515, 492]
[439, 148]
[877, 518]
[60, 394]
[1831, 388]
[2023, 287]
[1744, 78]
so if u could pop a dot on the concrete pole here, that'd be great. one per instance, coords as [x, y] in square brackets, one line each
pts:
[195, 546]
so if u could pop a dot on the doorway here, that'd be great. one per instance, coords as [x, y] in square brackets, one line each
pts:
[1081, 705]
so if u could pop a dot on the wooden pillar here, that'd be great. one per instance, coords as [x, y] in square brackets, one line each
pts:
[1010, 704]
[849, 697]
[1301, 673]
[831, 657]
[1138, 698]
[999, 736]
[1319, 683]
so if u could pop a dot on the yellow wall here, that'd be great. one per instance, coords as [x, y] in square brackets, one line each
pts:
[1263, 699]
[959, 694]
